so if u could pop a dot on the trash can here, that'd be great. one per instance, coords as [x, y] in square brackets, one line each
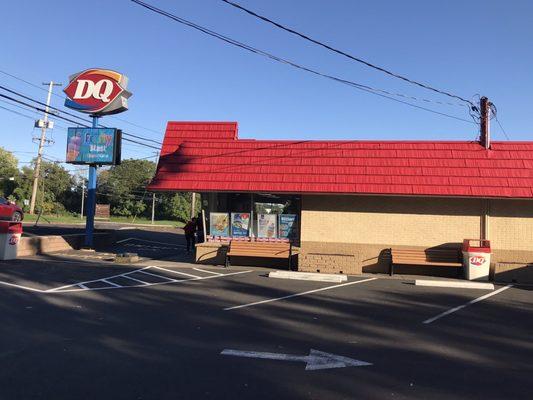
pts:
[476, 259]
[10, 233]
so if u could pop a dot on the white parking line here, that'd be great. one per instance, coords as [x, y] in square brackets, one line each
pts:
[54, 291]
[207, 272]
[298, 294]
[455, 309]
[93, 280]
[176, 272]
[133, 279]
[157, 276]
[81, 286]
[22, 287]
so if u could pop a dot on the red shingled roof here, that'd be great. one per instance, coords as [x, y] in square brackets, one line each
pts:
[209, 157]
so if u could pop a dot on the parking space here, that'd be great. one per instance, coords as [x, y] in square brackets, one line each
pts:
[49, 276]
[204, 332]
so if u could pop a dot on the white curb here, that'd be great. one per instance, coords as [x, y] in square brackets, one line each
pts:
[454, 284]
[308, 276]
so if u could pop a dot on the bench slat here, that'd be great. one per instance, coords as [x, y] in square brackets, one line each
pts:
[259, 249]
[429, 257]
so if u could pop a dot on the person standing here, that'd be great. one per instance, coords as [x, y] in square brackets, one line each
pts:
[199, 229]
[190, 229]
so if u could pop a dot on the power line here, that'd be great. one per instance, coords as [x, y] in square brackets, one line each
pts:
[42, 104]
[137, 125]
[18, 113]
[68, 113]
[351, 57]
[63, 98]
[39, 109]
[501, 127]
[244, 46]
[69, 120]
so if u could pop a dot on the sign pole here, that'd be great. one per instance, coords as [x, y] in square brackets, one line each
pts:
[91, 199]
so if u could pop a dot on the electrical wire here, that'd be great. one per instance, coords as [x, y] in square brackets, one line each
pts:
[63, 98]
[343, 53]
[58, 110]
[18, 113]
[69, 120]
[244, 46]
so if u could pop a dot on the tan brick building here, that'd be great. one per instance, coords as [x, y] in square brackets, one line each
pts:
[355, 199]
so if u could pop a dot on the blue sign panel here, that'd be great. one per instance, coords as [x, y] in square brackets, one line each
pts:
[287, 226]
[93, 146]
[240, 222]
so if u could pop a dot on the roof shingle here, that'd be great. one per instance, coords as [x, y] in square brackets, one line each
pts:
[208, 156]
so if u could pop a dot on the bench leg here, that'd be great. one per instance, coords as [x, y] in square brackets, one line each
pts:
[391, 269]
[227, 262]
[290, 266]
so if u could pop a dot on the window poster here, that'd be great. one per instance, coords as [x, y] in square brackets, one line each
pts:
[240, 223]
[267, 225]
[219, 224]
[287, 226]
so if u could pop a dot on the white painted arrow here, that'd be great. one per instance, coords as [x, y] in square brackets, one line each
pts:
[315, 360]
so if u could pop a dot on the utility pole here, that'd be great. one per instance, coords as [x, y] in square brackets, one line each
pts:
[193, 205]
[484, 124]
[42, 141]
[153, 208]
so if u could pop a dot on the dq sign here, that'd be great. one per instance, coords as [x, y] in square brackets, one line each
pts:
[97, 92]
[477, 260]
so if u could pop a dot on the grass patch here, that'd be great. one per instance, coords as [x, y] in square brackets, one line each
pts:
[71, 219]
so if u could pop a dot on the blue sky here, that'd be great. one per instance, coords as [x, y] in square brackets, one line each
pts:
[176, 73]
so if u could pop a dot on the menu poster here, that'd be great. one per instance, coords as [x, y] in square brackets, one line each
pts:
[219, 224]
[267, 225]
[240, 223]
[287, 226]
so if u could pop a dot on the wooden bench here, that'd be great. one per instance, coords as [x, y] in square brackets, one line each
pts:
[259, 249]
[430, 257]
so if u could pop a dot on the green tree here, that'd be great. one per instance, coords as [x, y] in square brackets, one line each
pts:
[124, 187]
[8, 169]
[56, 187]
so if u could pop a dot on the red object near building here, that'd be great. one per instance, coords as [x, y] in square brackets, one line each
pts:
[208, 156]
[9, 211]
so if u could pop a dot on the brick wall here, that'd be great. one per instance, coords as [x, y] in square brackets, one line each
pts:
[389, 220]
[363, 226]
[511, 225]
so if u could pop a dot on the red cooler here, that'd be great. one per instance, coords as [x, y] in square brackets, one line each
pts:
[476, 259]
[10, 233]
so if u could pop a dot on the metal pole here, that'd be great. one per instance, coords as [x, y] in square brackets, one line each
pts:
[203, 224]
[82, 198]
[153, 208]
[91, 200]
[37, 170]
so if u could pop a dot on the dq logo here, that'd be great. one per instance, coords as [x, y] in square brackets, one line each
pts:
[477, 260]
[13, 240]
[97, 92]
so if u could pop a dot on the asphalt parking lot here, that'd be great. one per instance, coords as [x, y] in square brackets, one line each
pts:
[86, 330]
[155, 242]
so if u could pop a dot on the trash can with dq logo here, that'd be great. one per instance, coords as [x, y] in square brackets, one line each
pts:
[10, 233]
[476, 259]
